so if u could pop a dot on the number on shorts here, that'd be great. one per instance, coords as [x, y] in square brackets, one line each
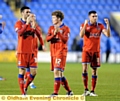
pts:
[58, 61]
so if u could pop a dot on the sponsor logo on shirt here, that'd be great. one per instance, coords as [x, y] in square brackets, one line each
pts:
[95, 35]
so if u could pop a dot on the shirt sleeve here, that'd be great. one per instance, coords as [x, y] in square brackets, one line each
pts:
[49, 35]
[102, 26]
[65, 36]
[20, 29]
[39, 34]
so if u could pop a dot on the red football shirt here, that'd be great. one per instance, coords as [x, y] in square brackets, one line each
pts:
[26, 36]
[58, 42]
[91, 38]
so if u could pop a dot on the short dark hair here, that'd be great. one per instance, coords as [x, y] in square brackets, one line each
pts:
[90, 12]
[58, 14]
[23, 8]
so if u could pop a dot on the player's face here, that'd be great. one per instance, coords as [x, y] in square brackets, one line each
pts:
[26, 13]
[33, 17]
[93, 17]
[55, 20]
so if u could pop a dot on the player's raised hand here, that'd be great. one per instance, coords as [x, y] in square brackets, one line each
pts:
[29, 18]
[56, 29]
[86, 22]
[33, 21]
[106, 21]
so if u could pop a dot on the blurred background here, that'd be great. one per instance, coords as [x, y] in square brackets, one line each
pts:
[76, 11]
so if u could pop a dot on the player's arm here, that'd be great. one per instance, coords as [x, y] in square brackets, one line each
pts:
[107, 30]
[82, 29]
[20, 29]
[39, 35]
[49, 35]
[37, 30]
[64, 36]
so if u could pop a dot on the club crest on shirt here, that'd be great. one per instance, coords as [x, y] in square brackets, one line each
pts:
[98, 28]
[61, 31]
[88, 28]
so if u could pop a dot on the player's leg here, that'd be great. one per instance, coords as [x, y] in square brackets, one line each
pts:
[27, 73]
[65, 84]
[85, 61]
[95, 63]
[21, 80]
[33, 70]
[93, 82]
[57, 75]
[32, 86]
[30, 77]
[57, 78]
[85, 79]
[64, 81]
[21, 66]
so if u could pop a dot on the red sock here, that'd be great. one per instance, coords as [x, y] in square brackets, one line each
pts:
[26, 75]
[21, 83]
[94, 80]
[64, 83]
[56, 85]
[29, 80]
[85, 80]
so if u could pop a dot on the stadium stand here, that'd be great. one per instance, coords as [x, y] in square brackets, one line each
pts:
[8, 39]
[75, 13]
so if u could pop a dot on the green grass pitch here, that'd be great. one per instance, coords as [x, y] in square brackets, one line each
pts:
[108, 85]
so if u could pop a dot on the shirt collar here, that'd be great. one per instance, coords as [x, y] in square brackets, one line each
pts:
[22, 21]
[62, 25]
[92, 24]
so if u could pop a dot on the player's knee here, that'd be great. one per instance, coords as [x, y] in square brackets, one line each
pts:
[94, 71]
[84, 70]
[21, 71]
[33, 72]
[57, 73]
